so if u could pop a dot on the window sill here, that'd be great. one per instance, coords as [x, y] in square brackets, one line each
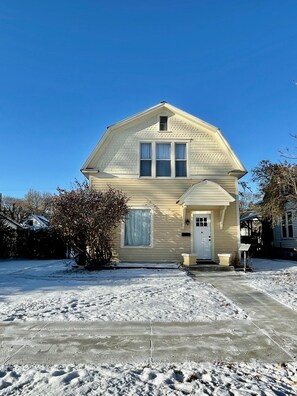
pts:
[164, 177]
[136, 247]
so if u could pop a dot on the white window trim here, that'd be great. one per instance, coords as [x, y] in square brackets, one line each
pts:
[139, 159]
[173, 160]
[286, 224]
[154, 159]
[163, 130]
[123, 246]
[154, 165]
[168, 123]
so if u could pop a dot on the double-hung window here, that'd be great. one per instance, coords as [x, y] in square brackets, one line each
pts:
[138, 228]
[163, 159]
[287, 225]
[146, 159]
[180, 160]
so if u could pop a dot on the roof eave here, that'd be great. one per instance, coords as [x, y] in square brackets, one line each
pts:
[238, 173]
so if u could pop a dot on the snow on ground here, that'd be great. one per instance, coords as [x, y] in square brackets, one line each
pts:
[278, 278]
[222, 379]
[52, 290]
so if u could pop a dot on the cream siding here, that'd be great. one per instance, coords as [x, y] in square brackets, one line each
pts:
[161, 196]
[115, 161]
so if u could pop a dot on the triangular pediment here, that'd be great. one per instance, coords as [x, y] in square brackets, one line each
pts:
[206, 193]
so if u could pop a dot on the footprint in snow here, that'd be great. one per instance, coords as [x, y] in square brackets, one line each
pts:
[70, 376]
[57, 373]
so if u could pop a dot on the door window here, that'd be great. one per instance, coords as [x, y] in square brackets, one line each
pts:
[201, 222]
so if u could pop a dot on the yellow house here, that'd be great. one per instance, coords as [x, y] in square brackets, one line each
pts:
[181, 176]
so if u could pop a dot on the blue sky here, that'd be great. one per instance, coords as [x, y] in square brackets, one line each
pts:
[69, 68]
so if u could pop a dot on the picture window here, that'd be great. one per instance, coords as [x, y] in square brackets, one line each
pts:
[138, 228]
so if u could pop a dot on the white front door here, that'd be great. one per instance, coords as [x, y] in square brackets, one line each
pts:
[202, 236]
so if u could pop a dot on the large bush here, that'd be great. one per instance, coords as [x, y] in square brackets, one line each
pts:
[40, 244]
[87, 219]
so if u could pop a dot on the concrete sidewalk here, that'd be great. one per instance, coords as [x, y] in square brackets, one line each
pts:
[270, 335]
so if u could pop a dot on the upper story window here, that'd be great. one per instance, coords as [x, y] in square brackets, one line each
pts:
[163, 123]
[163, 159]
[180, 160]
[146, 159]
[287, 225]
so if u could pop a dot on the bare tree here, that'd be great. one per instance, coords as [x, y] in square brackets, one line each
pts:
[277, 186]
[37, 202]
[33, 202]
[247, 198]
[14, 208]
[287, 153]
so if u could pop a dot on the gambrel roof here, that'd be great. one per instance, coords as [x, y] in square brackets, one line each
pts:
[95, 165]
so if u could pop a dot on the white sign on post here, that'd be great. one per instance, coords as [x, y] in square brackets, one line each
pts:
[244, 247]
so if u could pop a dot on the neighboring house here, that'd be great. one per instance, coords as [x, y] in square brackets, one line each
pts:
[285, 234]
[10, 222]
[258, 233]
[181, 176]
[251, 228]
[35, 222]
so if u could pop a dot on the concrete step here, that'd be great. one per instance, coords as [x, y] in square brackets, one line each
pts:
[210, 268]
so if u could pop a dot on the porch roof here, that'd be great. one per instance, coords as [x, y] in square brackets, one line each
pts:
[206, 193]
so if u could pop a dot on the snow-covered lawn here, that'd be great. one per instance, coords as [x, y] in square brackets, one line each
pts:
[278, 278]
[51, 290]
[239, 379]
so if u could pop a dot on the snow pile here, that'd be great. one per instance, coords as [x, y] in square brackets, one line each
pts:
[161, 379]
[53, 292]
[278, 278]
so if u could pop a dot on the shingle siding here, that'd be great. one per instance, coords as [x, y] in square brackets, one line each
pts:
[119, 154]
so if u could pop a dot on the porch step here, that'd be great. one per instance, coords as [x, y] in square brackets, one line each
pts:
[209, 267]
